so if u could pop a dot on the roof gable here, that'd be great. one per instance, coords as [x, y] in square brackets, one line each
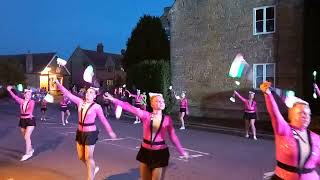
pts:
[100, 60]
[40, 60]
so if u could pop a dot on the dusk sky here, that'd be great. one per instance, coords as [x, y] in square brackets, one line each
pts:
[61, 25]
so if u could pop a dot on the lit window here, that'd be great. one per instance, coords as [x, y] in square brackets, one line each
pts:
[109, 82]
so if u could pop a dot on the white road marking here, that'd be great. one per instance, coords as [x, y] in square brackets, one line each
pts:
[108, 142]
[62, 127]
[66, 133]
[180, 159]
[268, 175]
[48, 123]
[204, 153]
[117, 139]
[192, 156]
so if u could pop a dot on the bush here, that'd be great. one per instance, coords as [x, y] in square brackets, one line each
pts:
[153, 76]
[11, 73]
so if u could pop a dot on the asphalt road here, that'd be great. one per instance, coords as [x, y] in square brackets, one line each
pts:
[214, 155]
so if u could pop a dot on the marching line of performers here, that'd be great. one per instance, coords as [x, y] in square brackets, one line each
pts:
[297, 148]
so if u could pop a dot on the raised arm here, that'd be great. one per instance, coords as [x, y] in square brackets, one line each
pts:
[15, 97]
[126, 106]
[280, 126]
[187, 106]
[65, 92]
[316, 88]
[104, 121]
[133, 95]
[176, 96]
[174, 138]
[240, 97]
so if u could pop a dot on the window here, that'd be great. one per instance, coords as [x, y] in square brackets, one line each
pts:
[109, 82]
[263, 72]
[264, 20]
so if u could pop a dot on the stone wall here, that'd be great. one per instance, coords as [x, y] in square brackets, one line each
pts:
[33, 80]
[77, 59]
[207, 34]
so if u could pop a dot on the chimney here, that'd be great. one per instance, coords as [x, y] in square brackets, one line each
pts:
[166, 10]
[123, 51]
[100, 48]
[29, 62]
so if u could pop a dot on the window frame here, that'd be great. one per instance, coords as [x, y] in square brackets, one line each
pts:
[264, 20]
[109, 82]
[264, 74]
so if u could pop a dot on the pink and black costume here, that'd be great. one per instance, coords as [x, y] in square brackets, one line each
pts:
[26, 111]
[87, 133]
[250, 109]
[184, 105]
[154, 151]
[317, 90]
[64, 103]
[138, 100]
[288, 147]
[43, 105]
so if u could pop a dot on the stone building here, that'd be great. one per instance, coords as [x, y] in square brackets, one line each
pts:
[40, 69]
[107, 66]
[165, 20]
[207, 34]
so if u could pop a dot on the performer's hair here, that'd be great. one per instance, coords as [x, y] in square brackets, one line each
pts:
[96, 90]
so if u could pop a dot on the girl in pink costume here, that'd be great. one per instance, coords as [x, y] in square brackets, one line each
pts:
[27, 122]
[64, 103]
[43, 109]
[250, 113]
[154, 153]
[297, 148]
[87, 133]
[184, 110]
[138, 100]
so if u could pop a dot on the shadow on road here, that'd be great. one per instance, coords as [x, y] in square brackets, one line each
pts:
[51, 144]
[132, 174]
[12, 154]
[6, 132]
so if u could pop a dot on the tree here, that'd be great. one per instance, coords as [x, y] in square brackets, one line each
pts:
[11, 72]
[153, 76]
[148, 41]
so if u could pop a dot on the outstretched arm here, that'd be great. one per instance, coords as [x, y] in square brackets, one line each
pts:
[174, 138]
[67, 93]
[126, 106]
[176, 96]
[15, 97]
[131, 95]
[240, 97]
[280, 126]
[104, 121]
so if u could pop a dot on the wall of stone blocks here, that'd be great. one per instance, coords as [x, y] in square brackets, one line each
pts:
[207, 34]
